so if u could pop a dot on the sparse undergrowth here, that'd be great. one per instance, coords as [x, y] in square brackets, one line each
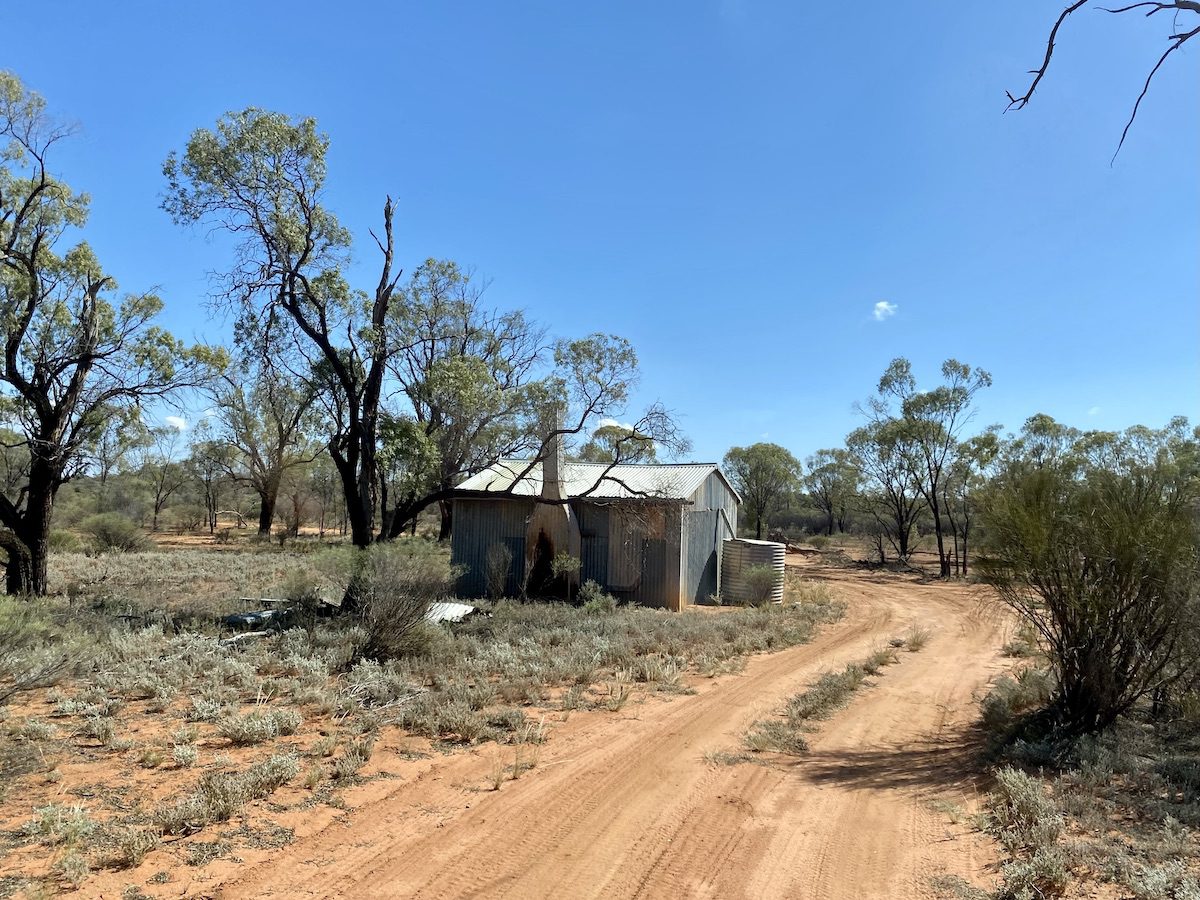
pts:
[829, 693]
[204, 733]
[1121, 808]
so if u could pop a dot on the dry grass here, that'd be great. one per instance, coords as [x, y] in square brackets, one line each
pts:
[1121, 809]
[822, 699]
[200, 732]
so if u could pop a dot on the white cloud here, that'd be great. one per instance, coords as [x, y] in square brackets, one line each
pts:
[884, 310]
[179, 423]
[1094, 411]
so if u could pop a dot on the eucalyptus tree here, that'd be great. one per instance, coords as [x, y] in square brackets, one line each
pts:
[468, 374]
[161, 467]
[265, 417]
[832, 480]
[765, 475]
[210, 461]
[933, 421]
[71, 354]
[884, 455]
[472, 378]
[1182, 24]
[611, 440]
[966, 477]
[409, 467]
[260, 176]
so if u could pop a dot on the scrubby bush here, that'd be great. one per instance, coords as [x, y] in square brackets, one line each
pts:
[1010, 698]
[133, 844]
[1021, 814]
[257, 727]
[761, 584]
[595, 600]
[58, 824]
[63, 541]
[113, 533]
[497, 567]
[775, 736]
[1095, 547]
[394, 587]
[219, 795]
[33, 648]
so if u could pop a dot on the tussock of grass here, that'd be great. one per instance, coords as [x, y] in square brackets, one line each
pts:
[1120, 808]
[257, 727]
[916, 638]
[219, 795]
[60, 824]
[825, 696]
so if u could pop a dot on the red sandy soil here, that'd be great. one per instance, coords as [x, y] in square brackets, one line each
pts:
[628, 804]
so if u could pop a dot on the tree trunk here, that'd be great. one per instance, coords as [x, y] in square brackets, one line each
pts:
[943, 560]
[266, 512]
[758, 528]
[447, 512]
[28, 545]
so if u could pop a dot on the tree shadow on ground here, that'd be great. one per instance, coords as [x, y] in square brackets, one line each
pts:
[932, 765]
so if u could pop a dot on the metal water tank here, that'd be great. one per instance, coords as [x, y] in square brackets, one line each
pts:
[740, 554]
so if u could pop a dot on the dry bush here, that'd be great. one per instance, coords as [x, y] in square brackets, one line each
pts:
[113, 533]
[219, 795]
[761, 583]
[34, 650]
[916, 638]
[259, 726]
[394, 586]
[497, 567]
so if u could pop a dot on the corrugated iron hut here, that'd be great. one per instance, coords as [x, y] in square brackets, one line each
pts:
[645, 533]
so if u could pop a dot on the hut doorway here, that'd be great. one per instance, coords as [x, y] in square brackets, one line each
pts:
[541, 572]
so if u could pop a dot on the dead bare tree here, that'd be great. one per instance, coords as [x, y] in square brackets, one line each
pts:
[1178, 37]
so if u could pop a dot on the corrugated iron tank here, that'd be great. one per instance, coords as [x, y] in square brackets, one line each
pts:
[740, 555]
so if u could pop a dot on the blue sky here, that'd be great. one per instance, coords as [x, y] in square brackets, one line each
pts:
[732, 185]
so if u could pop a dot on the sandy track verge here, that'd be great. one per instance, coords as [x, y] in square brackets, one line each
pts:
[627, 805]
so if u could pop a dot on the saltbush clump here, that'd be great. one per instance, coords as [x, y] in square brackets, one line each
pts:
[256, 727]
[113, 533]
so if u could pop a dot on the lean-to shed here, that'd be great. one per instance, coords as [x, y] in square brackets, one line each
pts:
[645, 533]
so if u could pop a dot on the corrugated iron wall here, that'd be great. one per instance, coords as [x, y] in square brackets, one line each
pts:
[478, 525]
[701, 535]
[594, 523]
[637, 557]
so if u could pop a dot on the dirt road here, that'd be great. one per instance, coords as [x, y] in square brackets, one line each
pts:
[627, 805]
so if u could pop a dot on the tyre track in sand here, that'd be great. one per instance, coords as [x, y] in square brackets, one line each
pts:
[627, 805]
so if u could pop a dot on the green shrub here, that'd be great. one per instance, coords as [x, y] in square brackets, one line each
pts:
[594, 599]
[394, 586]
[64, 541]
[113, 533]
[761, 583]
[1096, 549]
[256, 727]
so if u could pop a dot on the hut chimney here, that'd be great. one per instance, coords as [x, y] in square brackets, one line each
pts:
[552, 469]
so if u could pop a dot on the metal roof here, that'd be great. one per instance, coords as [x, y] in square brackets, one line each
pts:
[642, 481]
